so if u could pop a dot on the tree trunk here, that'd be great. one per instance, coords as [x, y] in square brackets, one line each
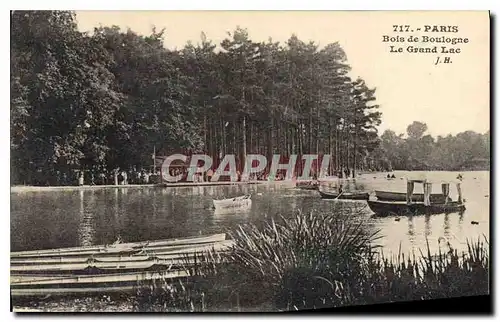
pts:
[270, 141]
[309, 149]
[205, 142]
[244, 141]
[317, 129]
[355, 151]
[251, 138]
[337, 157]
[330, 144]
[223, 132]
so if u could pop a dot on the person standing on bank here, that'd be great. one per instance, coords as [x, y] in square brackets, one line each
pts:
[80, 178]
[124, 175]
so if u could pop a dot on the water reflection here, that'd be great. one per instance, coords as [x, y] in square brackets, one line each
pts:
[446, 226]
[64, 219]
[427, 229]
[242, 213]
[86, 229]
[115, 208]
[411, 229]
[155, 211]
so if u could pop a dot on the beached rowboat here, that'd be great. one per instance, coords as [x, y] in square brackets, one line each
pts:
[121, 247]
[168, 254]
[115, 266]
[183, 249]
[86, 291]
[22, 285]
[178, 257]
[17, 280]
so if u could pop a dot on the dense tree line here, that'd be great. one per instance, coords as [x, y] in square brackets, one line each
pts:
[419, 151]
[105, 100]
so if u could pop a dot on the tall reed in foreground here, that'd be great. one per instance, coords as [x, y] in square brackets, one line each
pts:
[304, 261]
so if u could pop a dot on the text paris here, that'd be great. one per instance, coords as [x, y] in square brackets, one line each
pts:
[426, 50]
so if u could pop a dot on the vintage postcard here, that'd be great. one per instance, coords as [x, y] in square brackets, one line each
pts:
[248, 161]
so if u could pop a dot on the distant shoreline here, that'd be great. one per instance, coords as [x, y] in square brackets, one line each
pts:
[140, 186]
[21, 188]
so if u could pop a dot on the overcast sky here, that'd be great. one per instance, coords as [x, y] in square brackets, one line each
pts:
[450, 98]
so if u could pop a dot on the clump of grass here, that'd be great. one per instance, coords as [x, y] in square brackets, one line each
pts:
[205, 288]
[444, 275]
[302, 262]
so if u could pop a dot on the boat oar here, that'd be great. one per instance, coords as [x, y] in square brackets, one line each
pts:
[340, 194]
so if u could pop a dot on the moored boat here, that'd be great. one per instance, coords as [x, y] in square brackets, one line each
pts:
[345, 195]
[440, 203]
[398, 208]
[236, 202]
[401, 196]
[307, 185]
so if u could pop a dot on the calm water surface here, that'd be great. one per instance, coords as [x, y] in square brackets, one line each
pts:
[52, 219]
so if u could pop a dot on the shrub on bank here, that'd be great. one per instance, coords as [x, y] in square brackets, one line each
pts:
[315, 261]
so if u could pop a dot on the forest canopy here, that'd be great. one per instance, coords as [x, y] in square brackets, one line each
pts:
[106, 100]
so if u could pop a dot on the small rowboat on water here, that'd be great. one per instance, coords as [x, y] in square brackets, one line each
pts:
[343, 189]
[345, 195]
[307, 185]
[236, 202]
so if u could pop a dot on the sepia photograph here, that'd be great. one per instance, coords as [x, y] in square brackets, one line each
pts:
[248, 161]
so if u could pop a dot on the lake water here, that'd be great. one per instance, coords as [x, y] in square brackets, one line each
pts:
[52, 219]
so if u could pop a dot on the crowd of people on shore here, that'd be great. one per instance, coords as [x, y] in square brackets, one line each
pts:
[141, 176]
[208, 176]
[137, 176]
[117, 177]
